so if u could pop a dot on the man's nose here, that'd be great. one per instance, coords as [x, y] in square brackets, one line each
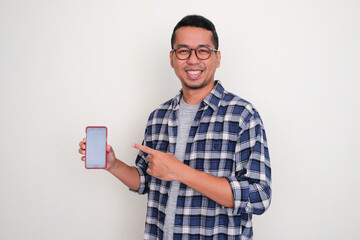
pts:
[193, 59]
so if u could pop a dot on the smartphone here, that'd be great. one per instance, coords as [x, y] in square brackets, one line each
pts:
[95, 154]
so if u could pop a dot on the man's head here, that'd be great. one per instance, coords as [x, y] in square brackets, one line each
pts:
[194, 56]
[196, 21]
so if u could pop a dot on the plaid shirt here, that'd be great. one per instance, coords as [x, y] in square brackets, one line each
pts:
[227, 139]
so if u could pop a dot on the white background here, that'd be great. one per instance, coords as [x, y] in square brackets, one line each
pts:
[66, 64]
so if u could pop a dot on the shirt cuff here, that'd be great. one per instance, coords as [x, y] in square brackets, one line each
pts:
[142, 187]
[240, 190]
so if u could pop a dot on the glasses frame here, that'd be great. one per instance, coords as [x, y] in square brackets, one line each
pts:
[195, 49]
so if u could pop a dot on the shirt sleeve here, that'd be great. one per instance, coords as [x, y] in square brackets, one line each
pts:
[252, 179]
[141, 166]
[141, 163]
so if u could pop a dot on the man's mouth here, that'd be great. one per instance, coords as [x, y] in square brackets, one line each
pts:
[193, 74]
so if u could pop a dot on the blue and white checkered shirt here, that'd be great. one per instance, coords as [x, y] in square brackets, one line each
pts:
[227, 139]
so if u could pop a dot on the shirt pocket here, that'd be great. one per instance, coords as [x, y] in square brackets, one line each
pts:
[217, 160]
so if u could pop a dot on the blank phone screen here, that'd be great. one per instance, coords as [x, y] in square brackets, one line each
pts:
[95, 147]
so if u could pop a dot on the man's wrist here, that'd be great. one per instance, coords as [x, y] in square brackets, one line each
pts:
[181, 173]
[114, 166]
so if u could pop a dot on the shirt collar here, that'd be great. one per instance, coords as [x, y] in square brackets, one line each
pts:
[212, 99]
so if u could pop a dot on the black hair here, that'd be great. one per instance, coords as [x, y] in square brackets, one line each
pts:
[196, 21]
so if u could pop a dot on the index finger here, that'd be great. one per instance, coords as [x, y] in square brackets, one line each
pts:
[144, 149]
[82, 142]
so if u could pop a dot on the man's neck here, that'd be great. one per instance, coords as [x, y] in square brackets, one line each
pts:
[195, 96]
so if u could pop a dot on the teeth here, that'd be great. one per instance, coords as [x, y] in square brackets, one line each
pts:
[194, 72]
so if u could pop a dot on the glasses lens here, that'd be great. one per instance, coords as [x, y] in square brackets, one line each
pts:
[182, 53]
[203, 53]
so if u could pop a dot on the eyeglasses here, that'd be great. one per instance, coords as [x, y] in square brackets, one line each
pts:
[201, 52]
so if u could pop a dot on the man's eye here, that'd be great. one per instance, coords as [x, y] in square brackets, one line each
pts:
[203, 51]
[183, 51]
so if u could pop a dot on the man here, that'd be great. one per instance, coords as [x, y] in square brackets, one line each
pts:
[204, 161]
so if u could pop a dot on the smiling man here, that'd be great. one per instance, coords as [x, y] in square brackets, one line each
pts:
[195, 71]
[204, 161]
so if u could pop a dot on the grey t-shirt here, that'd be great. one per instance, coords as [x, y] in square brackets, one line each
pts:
[186, 117]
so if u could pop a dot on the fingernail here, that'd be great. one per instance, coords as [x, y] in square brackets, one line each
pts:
[133, 145]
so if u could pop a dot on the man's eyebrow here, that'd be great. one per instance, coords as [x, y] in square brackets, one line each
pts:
[181, 45]
[204, 45]
[184, 45]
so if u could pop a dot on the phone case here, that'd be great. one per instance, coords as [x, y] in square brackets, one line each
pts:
[86, 131]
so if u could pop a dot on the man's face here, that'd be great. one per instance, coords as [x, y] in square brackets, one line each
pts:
[193, 72]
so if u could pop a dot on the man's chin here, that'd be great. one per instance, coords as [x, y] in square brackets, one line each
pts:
[194, 86]
[194, 83]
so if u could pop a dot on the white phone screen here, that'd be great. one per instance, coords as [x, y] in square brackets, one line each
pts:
[95, 147]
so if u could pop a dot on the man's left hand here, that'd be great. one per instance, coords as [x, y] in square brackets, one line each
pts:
[164, 166]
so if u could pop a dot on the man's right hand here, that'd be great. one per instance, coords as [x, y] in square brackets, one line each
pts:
[126, 174]
[110, 155]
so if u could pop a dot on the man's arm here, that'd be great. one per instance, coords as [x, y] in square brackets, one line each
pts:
[215, 188]
[167, 167]
[251, 184]
[247, 191]
[127, 174]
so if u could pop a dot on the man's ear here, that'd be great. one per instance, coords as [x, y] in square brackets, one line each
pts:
[171, 59]
[218, 59]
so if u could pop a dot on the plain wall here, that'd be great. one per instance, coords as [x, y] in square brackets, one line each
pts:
[66, 64]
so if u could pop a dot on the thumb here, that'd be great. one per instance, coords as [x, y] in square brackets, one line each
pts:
[108, 148]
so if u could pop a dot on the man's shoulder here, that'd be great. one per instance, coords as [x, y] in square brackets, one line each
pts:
[237, 109]
[221, 97]
[162, 109]
[236, 103]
